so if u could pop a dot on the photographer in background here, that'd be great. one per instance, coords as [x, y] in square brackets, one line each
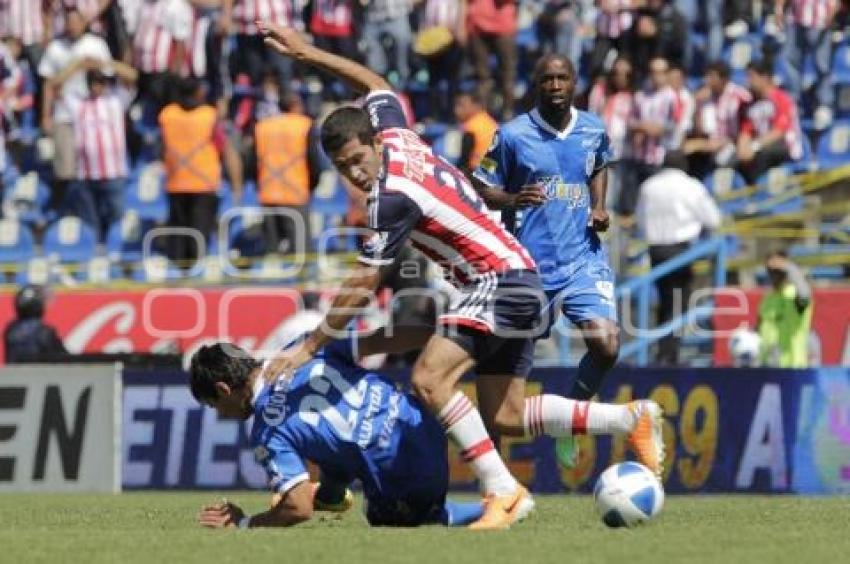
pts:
[28, 338]
[785, 315]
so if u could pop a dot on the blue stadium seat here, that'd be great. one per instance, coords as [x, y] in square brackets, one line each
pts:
[26, 198]
[244, 232]
[125, 238]
[842, 101]
[724, 180]
[834, 147]
[448, 145]
[16, 242]
[145, 192]
[840, 70]
[69, 240]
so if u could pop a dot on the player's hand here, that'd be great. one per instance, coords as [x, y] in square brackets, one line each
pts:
[530, 195]
[287, 41]
[599, 220]
[220, 515]
[287, 362]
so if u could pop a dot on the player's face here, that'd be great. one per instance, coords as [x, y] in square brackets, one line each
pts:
[232, 404]
[358, 163]
[556, 86]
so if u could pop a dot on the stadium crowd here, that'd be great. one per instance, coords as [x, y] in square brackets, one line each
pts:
[95, 91]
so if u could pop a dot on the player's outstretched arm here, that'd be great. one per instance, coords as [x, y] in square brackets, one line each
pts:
[354, 294]
[292, 508]
[289, 42]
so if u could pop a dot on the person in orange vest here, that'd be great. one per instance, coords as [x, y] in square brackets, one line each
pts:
[478, 128]
[288, 168]
[194, 145]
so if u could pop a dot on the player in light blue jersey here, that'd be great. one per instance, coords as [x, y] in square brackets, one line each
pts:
[352, 423]
[546, 171]
[356, 424]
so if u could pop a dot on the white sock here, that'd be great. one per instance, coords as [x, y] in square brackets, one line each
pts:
[558, 416]
[463, 424]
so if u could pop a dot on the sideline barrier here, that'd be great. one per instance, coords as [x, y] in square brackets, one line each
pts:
[729, 430]
[60, 428]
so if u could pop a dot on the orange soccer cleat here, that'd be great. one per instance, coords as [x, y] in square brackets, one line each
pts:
[646, 438]
[502, 511]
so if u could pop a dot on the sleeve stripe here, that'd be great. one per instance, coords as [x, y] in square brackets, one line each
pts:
[484, 180]
[376, 93]
[375, 262]
[289, 484]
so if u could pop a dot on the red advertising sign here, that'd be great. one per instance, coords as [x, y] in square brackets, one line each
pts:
[168, 319]
[830, 338]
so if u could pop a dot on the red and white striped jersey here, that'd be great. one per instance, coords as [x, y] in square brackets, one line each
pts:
[686, 109]
[658, 106]
[441, 13]
[195, 56]
[422, 197]
[616, 111]
[22, 19]
[813, 14]
[100, 136]
[332, 18]
[160, 24]
[615, 19]
[776, 111]
[247, 12]
[727, 112]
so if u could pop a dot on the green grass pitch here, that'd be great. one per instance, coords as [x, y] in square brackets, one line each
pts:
[152, 528]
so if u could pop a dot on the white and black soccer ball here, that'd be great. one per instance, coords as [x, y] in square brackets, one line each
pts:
[745, 347]
[628, 494]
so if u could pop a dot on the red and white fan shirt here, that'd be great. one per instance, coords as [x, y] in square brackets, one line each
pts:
[99, 134]
[775, 111]
[161, 23]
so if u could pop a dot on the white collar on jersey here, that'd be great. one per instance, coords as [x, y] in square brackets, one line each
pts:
[259, 383]
[538, 119]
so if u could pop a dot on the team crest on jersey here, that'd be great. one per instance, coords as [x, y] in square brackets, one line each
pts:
[261, 453]
[606, 291]
[376, 244]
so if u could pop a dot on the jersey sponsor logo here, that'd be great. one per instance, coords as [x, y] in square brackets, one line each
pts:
[556, 189]
[275, 411]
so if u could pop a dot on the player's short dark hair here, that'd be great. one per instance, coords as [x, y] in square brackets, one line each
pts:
[343, 125]
[221, 362]
[720, 68]
[540, 66]
[762, 67]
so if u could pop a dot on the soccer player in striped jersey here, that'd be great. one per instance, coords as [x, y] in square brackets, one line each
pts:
[354, 424]
[546, 170]
[489, 326]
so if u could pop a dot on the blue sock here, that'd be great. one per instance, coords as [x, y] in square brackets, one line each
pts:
[458, 514]
[588, 380]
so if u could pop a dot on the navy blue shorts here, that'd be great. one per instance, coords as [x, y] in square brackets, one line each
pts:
[496, 320]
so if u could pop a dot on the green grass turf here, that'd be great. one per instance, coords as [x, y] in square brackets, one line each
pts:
[160, 528]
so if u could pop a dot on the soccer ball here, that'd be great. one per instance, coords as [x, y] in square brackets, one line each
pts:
[744, 346]
[627, 494]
